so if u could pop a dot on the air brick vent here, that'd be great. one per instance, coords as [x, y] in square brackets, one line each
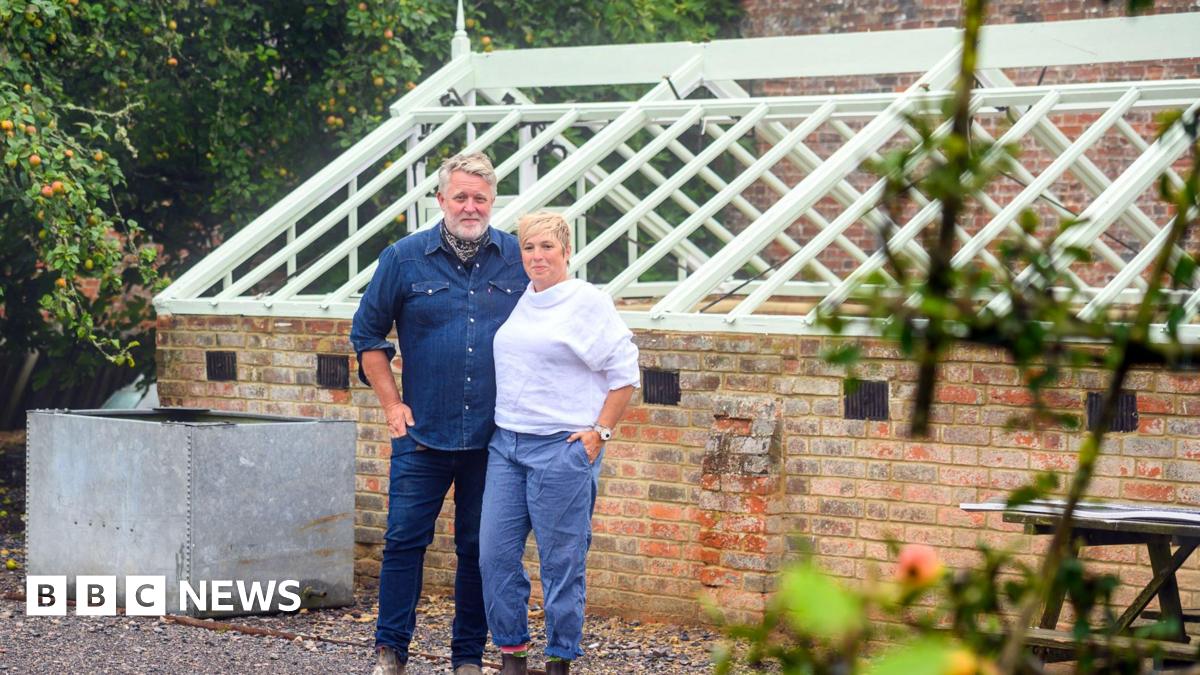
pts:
[221, 365]
[866, 400]
[660, 387]
[333, 371]
[1126, 419]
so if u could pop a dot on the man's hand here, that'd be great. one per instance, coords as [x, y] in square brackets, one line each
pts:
[591, 442]
[399, 419]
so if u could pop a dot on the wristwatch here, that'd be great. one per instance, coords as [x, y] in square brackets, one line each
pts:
[605, 432]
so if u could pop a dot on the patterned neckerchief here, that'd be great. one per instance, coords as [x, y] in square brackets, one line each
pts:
[463, 249]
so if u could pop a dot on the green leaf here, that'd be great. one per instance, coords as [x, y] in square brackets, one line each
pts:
[1185, 269]
[843, 355]
[1042, 485]
[815, 604]
[928, 656]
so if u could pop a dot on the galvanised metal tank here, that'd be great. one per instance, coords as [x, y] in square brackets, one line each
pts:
[194, 495]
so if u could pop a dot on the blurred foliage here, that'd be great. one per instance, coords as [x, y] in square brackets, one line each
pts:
[924, 619]
[974, 621]
[140, 134]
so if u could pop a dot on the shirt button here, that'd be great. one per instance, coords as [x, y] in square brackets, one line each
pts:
[472, 292]
[470, 349]
[471, 320]
[467, 407]
[468, 379]
[429, 292]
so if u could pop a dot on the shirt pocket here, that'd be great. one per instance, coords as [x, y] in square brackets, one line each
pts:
[502, 297]
[428, 302]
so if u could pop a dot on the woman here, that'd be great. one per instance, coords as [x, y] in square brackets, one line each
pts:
[566, 367]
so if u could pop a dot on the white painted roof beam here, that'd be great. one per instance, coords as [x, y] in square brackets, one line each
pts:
[1112, 202]
[1055, 204]
[1043, 181]
[718, 201]
[297, 244]
[1125, 277]
[816, 184]
[674, 182]
[994, 100]
[631, 165]
[1079, 42]
[359, 280]
[339, 252]
[806, 160]
[771, 180]
[260, 231]
[686, 202]
[737, 201]
[620, 196]
[596, 149]
[1092, 178]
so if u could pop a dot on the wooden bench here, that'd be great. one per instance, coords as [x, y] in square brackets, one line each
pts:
[1103, 524]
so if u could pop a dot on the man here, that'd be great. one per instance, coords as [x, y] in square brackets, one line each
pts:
[446, 289]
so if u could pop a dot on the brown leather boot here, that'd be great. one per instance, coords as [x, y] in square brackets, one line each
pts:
[387, 663]
[558, 667]
[513, 665]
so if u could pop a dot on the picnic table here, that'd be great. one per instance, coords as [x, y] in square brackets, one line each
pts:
[1107, 524]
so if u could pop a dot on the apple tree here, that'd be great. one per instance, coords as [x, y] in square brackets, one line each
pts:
[138, 134]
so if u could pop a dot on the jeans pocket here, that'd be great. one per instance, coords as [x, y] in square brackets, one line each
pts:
[405, 444]
[581, 451]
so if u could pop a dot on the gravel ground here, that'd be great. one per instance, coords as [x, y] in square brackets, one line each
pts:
[153, 645]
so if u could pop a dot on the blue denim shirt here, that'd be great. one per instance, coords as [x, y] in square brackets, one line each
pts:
[446, 314]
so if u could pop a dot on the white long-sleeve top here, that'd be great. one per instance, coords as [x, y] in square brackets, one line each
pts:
[557, 357]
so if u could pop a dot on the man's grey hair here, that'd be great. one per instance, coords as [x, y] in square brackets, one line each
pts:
[476, 164]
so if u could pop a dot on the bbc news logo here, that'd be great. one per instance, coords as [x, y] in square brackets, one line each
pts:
[147, 596]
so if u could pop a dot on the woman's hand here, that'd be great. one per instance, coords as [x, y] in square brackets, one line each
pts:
[591, 443]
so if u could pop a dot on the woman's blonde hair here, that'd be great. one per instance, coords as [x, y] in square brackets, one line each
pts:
[541, 222]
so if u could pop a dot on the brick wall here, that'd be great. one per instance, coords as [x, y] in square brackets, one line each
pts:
[764, 18]
[755, 465]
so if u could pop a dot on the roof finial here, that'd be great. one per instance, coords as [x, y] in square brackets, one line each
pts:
[460, 43]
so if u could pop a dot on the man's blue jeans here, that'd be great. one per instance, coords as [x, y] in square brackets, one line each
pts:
[420, 479]
[545, 484]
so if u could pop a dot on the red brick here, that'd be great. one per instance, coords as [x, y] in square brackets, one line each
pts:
[1014, 396]
[1001, 375]
[1148, 469]
[1052, 461]
[1147, 403]
[1155, 492]
[658, 549]
[660, 434]
[665, 511]
[958, 394]
[717, 577]
[928, 453]
[732, 425]
[1179, 383]
[668, 531]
